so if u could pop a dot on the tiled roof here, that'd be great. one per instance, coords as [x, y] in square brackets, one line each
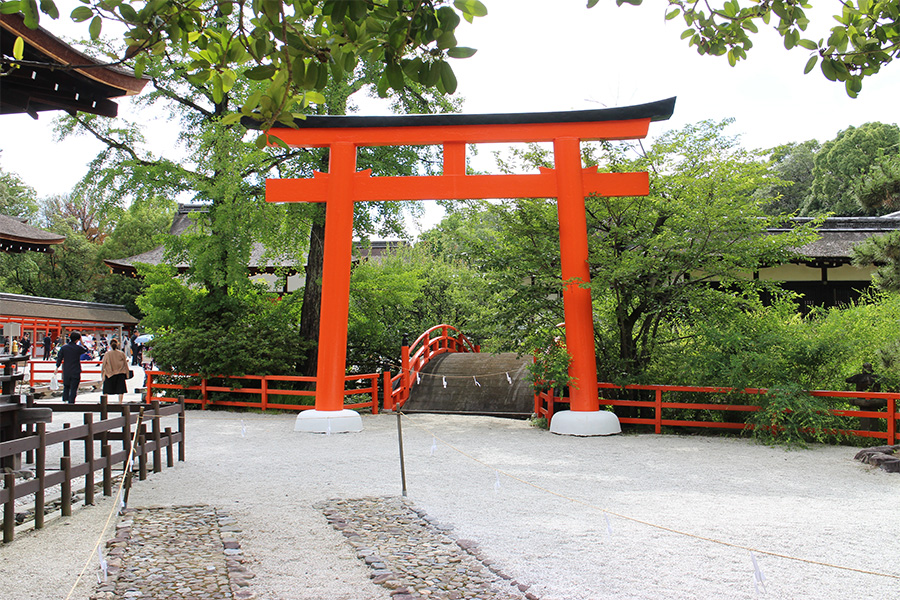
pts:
[16, 305]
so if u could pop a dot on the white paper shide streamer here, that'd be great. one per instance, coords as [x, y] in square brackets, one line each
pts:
[103, 575]
[759, 580]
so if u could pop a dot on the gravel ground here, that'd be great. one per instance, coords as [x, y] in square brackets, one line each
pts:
[533, 501]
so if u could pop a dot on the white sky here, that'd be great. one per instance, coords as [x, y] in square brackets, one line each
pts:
[543, 55]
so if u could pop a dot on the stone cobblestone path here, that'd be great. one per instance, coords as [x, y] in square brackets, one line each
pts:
[175, 553]
[414, 557]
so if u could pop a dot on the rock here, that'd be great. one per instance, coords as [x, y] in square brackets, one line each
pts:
[877, 458]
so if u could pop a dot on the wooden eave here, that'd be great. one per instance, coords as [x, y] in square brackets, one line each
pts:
[88, 87]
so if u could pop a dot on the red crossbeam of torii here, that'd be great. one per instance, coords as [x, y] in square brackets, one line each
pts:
[569, 182]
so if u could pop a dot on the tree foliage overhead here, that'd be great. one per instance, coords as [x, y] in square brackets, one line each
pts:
[294, 48]
[865, 38]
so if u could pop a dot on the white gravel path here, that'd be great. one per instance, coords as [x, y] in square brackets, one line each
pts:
[818, 504]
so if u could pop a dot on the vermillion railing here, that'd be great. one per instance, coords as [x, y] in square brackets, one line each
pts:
[544, 403]
[440, 339]
[267, 391]
[40, 371]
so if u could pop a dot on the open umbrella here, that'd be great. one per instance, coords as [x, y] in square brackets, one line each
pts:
[143, 339]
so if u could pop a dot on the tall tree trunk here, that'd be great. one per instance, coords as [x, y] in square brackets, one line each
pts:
[312, 291]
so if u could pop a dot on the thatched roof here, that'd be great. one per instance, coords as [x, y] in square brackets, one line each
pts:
[838, 236]
[17, 236]
[31, 90]
[34, 307]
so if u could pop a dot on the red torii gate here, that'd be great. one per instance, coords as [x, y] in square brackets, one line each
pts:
[568, 182]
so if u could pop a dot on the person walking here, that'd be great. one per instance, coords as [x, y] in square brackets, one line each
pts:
[25, 347]
[48, 345]
[114, 370]
[70, 358]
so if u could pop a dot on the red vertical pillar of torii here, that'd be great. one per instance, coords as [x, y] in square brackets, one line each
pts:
[569, 182]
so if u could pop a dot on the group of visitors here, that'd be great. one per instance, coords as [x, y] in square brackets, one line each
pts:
[18, 344]
[114, 368]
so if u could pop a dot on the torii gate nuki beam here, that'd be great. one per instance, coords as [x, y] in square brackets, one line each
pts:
[343, 185]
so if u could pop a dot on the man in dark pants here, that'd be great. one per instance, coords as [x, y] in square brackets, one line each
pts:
[70, 358]
[48, 344]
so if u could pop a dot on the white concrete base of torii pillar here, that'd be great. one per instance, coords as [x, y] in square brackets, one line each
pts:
[585, 423]
[328, 421]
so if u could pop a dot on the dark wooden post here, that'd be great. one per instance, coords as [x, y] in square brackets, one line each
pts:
[67, 449]
[104, 415]
[89, 459]
[9, 509]
[170, 448]
[29, 430]
[142, 453]
[181, 429]
[40, 473]
[65, 465]
[106, 452]
[126, 437]
[155, 428]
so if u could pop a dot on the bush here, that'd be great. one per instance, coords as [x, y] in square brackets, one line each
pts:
[789, 416]
[246, 332]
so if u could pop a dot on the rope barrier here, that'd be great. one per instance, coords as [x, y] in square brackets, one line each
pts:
[413, 373]
[648, 523]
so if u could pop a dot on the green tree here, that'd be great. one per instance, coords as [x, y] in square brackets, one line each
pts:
[139, 227]
[293, 48]
[72, 271]
[404, 293]
[883, 252]
[16, 198]
[793, 165]
[656, 262]
[842, 167]
[864, 39]
[879, 189]
[225, 170]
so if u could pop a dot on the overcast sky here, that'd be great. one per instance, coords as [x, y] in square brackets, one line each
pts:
[543, 55]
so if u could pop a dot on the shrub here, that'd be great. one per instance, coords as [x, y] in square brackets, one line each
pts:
[789, 416]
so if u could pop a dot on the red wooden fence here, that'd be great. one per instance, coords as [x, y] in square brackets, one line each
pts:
[267, 387]
[544, 407]
[40, 371]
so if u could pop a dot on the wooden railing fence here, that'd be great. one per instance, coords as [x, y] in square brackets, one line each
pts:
[261, 388]
[544, 406]
[141, 428]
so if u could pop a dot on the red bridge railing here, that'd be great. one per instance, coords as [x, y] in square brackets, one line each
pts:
[544, 403]
[440, 339]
